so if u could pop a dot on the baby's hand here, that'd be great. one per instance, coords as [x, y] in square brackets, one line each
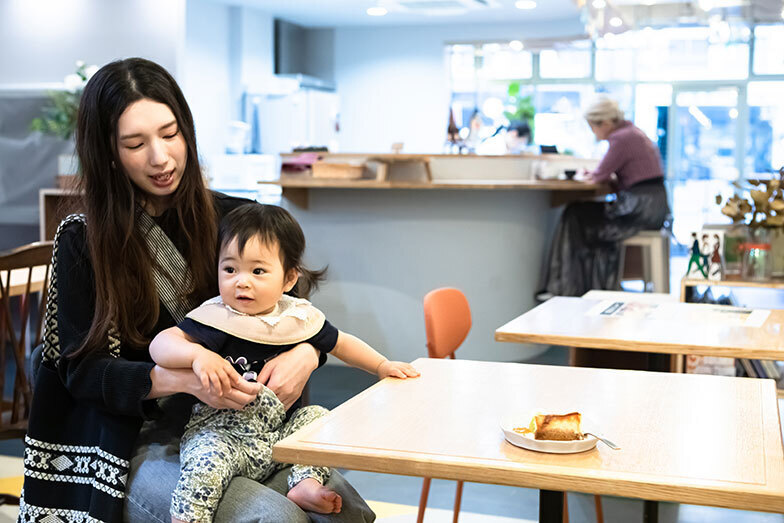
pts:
[214, 372]
[396, 369]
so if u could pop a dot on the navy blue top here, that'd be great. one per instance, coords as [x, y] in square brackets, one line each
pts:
[248, 357]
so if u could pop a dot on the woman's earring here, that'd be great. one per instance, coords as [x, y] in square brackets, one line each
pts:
[113, 165]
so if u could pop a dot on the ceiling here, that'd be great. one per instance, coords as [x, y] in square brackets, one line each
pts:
[340, 13]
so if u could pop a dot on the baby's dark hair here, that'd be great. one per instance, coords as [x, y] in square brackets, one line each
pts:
[272, 224]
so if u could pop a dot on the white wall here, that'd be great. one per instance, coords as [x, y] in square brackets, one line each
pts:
[211, 48]
[226, 49]
[387, 248]
[206, 72]
[41, 39]
[392, 81]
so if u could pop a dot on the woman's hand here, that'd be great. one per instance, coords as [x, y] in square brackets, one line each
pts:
[170, 381]
[240, 394]
[287, 373]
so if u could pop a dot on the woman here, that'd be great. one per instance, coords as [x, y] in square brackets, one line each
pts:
[585, 251]
[105, 421]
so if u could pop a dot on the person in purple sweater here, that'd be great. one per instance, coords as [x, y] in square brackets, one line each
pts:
[585, 252]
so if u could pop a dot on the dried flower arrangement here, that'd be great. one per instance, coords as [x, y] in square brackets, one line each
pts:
[766, 208]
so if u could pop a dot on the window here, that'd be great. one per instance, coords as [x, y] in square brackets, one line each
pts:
[765, 138]
[615, 56]
[768, 43]
[566, 61]
[690, 53]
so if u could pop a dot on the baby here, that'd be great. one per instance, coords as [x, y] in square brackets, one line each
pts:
[252, 321]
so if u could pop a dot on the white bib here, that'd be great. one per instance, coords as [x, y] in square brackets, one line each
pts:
[292, 321]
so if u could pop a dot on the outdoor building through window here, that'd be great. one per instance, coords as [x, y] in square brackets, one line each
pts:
[708, 96]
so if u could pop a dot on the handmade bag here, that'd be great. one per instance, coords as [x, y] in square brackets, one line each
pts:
[76, 460]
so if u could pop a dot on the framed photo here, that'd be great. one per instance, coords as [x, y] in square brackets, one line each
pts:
[706, 255]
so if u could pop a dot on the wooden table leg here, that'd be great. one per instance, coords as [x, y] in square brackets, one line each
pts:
[551, 503]
[650, 512]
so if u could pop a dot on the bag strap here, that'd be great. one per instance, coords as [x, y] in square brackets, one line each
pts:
[170, 273]
[51, 342]
[170, 270]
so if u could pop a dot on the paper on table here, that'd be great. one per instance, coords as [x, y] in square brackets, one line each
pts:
[673, 312]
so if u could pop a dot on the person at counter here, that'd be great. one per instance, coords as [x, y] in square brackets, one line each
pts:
[585, 250]
[518, 137]
[514, 138]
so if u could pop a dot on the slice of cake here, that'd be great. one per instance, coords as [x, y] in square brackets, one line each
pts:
[560, 427]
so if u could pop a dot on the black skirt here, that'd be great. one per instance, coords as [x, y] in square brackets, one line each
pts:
[585, 251]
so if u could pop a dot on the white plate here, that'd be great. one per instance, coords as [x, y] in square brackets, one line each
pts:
[527, 441]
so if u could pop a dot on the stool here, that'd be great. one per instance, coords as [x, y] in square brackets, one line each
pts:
[653, 262]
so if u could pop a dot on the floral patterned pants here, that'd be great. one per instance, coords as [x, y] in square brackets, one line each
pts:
[220, 444]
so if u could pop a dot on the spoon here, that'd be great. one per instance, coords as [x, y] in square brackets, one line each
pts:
[603, 440]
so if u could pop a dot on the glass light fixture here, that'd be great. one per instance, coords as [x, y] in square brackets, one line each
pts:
[376, 11]
[516, 45]
[616, 21]
[599, 4]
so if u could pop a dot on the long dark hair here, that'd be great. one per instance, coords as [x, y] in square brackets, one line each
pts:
[125, 290]
[272, 224]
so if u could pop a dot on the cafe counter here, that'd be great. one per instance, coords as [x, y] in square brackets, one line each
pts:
[387, 242]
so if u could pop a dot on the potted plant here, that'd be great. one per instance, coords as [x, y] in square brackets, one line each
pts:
[759, 218]
[58, 118]
[524, 110]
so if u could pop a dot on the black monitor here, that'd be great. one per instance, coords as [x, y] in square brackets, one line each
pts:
[548, 149]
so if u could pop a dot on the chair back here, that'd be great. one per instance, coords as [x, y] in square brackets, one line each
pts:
[447, 321]
[24, 275]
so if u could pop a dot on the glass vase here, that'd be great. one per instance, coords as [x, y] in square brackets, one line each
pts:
[757, 259]
[734, 238]
[777, 252]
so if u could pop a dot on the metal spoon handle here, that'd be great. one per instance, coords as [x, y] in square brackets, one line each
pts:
[603, 440]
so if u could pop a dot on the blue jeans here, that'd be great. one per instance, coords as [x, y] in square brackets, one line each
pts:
[155, 468]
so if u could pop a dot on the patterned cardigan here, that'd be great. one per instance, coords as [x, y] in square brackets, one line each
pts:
[86, 412]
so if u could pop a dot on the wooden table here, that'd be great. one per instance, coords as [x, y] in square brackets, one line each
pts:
[19, 280]
[564, 321]
[685, 438]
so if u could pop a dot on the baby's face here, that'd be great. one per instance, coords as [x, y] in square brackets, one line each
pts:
[254, 281]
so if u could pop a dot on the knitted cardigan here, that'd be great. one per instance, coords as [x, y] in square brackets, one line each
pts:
[87, 412]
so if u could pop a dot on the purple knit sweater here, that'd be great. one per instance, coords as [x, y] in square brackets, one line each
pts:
[632, 156]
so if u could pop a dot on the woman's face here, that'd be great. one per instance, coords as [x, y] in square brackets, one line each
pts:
[152, 151]
[602, 129]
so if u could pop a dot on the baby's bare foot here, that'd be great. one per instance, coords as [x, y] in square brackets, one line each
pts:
[311, 495]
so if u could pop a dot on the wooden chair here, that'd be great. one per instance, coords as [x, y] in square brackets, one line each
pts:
[24, 272]
[447, 322]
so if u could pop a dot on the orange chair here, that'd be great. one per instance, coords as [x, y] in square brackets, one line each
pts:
[447, 322]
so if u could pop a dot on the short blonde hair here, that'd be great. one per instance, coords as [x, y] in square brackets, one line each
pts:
[604, 109]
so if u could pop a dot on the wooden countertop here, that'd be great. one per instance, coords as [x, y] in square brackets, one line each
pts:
[304, 181]
[410, 157]
[685, 438]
